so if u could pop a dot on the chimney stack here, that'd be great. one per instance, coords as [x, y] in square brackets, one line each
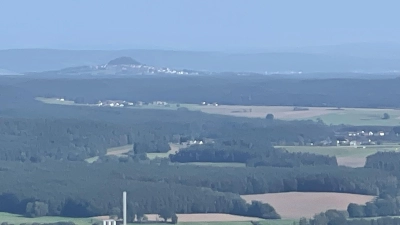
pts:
[124, 206]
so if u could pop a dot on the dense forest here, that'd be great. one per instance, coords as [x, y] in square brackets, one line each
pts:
[388, 161]
[77, 133]
[72, 188]
[237, 90]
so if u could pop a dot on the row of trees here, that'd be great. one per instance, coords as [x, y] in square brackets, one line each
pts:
[380, 207]
[388, 161]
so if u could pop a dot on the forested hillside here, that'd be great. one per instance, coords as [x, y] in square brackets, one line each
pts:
[77, 133]
[236, 90]
[79, 189]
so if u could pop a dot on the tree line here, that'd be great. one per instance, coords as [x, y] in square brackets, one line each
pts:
[387, 161]
[250, 153]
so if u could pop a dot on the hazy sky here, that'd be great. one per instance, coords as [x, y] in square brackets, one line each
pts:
[195, 24]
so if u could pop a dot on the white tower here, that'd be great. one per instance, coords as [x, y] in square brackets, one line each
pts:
[124, 206]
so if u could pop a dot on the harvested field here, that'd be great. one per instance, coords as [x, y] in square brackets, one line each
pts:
[119, 151]
[295, 205]
[351, 116]
[354, 162]
[206, 217]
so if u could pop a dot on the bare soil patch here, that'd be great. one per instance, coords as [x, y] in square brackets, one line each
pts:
[101, 217]
[294, 205]
[351, 161]
[120, 150]
[206, 217]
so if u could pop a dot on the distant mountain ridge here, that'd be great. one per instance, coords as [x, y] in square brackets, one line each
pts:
[121, 66]
[317, 59]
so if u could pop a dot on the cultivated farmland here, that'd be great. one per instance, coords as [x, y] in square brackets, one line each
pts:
[350, 116]
[297, 204]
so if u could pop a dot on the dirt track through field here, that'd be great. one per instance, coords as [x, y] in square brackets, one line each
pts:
[294, 205]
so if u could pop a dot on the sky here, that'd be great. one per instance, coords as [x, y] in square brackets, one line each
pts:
[195, 24]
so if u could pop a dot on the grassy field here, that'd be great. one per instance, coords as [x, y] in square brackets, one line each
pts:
[361, 117]
[187, 220]
[262, 222]
[117, 151]
[342, 151]
[295, 205]
[351, 116]
[346, 155]
[18, 219]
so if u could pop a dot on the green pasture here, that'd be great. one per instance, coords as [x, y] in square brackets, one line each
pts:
[18, 219]
[361, 117]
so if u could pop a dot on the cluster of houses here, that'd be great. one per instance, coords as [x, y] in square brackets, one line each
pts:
[364, 133]
[161, 103]
[209, 104]
[121, 103]
[194, 142]
[115, 103]
[359, 138]
[143, 69]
